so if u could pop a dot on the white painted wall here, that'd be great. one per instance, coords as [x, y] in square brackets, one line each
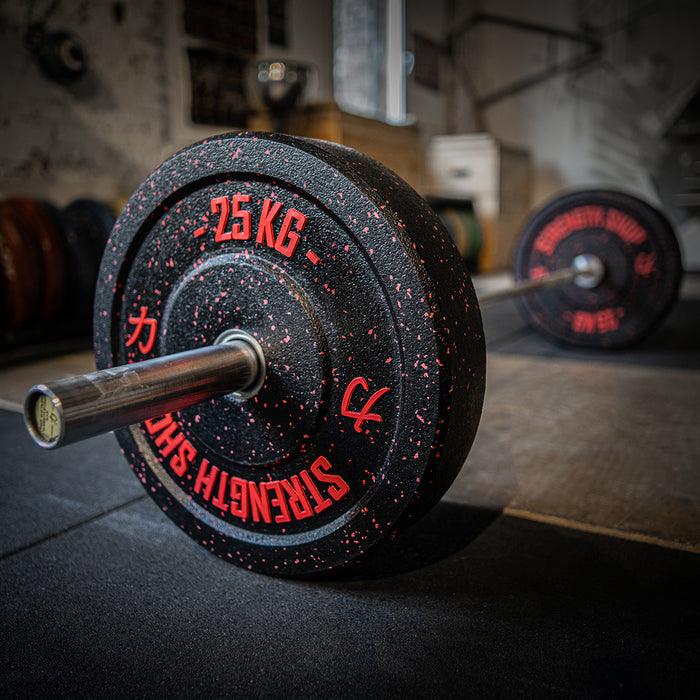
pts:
[103, 136]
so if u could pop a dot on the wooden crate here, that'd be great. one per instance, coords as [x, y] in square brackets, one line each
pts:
[397, 147]
[495, 177]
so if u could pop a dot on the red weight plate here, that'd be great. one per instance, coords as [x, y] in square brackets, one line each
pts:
[38, 221]
[23, 283]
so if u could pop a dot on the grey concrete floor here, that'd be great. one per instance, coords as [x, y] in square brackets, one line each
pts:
[563, 562]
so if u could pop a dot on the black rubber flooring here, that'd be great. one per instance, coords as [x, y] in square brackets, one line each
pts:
[101, 595]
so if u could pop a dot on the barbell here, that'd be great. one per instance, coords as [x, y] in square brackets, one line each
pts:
[291, 353]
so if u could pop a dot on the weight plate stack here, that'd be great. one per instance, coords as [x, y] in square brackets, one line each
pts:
[95, 220]
[640, 255]
[369, 326]
[86, 225]
[32, 275]
[459, 219]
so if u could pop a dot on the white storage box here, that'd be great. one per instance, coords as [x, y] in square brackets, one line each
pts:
[495, 177]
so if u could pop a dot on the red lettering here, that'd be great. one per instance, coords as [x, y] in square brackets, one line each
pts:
[598, 322]
[597, 217]
[140, 322]
[287, 242]
[583, 322]
[206, 479]
[607, 321]
[550, 236]
[279, 501]
[259, 503]
[184, 457]
[645, 264]
[166, 438]
[338, 488]
[364, 413]
[561, 226]
[288, 497]
[572, 220]
[321, 502]
[625, 227]
[239, 497]
[222, 205]
[155, 425]
[219, 501]
[266, 233]
[296, 498]
[240, 232]
[584, 217]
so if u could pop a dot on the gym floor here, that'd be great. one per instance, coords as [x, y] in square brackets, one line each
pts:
[563, 562]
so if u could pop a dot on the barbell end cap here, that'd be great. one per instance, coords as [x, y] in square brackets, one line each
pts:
[43, 416]
[590, 269]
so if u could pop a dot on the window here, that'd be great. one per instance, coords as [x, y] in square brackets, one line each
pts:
[369, 73]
